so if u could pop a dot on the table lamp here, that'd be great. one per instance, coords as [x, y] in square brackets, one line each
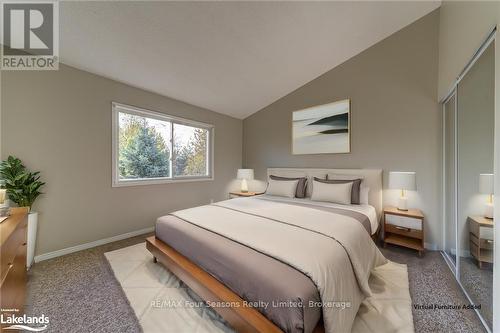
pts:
[244, 175]
[404, 181]
[486, 187]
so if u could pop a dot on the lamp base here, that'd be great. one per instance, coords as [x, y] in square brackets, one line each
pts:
[402, 204]
[244, 186]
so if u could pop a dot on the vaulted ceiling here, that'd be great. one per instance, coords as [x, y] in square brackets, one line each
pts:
[230, 57]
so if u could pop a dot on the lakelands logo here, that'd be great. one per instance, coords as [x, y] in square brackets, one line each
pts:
[30, 35]
[24, 322]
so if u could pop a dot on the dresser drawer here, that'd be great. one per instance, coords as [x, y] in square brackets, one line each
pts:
[486, 244]
[403, 221]
[473, 228]
[403, 231]
[474, 250]
[486, 233]
[13, 285]
[9, 249]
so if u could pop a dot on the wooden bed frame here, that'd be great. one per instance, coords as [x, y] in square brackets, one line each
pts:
[241, 318]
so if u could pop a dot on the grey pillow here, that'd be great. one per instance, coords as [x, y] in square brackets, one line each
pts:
[356, 185]
[301, 185]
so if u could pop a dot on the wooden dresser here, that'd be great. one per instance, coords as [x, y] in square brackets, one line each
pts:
[404, 228]
[481, 239]
[13, 233]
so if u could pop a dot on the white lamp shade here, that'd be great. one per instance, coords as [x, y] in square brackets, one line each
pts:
[246, 174]
[486, 183]
[400, 180]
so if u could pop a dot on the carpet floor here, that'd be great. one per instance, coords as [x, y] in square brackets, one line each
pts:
[479, 284]
[79, 293]
[432, 283]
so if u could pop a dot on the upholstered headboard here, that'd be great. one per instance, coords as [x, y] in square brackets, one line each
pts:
[372, 178]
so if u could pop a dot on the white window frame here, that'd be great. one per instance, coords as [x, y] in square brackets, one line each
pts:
[117, 182]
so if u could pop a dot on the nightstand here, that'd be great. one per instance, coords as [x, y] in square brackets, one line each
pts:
[238, 194]
[481, 239]
[404, 228]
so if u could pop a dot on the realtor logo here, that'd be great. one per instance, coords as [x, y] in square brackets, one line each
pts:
[30, 35]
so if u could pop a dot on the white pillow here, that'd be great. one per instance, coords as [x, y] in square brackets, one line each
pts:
[336, 193]
[363, 195]
[282, 188]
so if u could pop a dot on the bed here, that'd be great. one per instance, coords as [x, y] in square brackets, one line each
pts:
[250, 258]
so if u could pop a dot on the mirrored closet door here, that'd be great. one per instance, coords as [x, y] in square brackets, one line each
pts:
[468, 163]
[475, 142]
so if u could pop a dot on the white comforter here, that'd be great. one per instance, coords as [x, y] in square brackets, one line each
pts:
[334, 250]
[365, 209]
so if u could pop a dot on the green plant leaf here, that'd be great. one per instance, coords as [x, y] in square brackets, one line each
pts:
[23, 187]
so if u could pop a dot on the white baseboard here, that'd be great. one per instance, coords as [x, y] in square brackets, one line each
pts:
[463, 253]
[431, 246]
[85, 246]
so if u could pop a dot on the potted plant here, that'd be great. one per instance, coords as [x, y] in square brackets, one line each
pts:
[23, 188]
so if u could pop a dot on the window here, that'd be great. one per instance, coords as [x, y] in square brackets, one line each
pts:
[154, 148]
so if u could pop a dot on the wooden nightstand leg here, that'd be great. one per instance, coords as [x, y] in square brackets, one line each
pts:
[420, 254]
[480, 264]
[155, 260]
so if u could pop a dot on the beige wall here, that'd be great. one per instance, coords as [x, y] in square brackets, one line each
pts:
[396, 120]
[59, 122]
[463, 27]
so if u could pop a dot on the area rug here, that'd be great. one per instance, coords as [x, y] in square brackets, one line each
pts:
[162, 303]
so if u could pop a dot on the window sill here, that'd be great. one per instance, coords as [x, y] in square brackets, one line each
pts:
[126, 183]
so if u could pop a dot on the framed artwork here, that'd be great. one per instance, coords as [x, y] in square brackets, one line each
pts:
[322, 129]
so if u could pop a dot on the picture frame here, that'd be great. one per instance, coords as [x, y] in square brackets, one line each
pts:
[322, 129]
